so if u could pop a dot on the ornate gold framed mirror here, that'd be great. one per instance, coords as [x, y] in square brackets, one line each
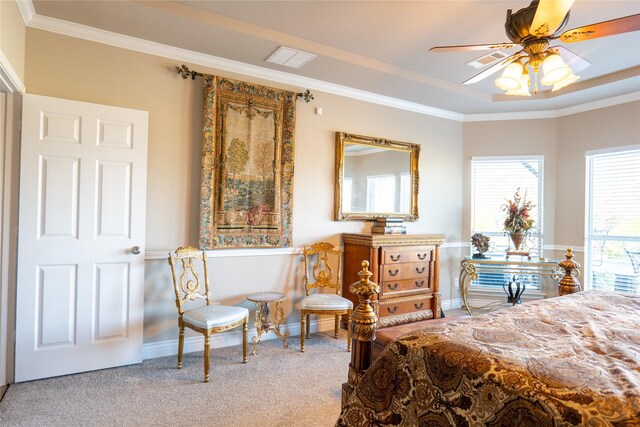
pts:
[375, 178]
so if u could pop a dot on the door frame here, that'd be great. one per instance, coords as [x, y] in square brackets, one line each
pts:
[12, 89]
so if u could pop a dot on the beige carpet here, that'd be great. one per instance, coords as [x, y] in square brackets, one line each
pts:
[277, 387]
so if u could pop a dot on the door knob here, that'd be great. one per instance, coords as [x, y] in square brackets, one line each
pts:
[135, 250]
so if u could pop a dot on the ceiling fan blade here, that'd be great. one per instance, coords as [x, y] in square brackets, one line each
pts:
[577, 63]
[471, 47]
[549, 16]
[493, 69]
[602, 29]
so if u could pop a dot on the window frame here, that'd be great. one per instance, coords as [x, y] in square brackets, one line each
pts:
[591, 234]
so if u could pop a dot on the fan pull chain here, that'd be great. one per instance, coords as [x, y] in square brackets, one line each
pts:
[535, 83]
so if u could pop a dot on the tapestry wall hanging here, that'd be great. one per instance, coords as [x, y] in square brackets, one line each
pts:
[246, 188]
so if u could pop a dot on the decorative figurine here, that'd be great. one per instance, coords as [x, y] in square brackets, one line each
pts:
[513, 295]
[481, 243]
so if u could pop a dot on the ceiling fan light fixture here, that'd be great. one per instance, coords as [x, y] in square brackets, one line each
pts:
[525, 81]
[510, 78]
[572, 78]
[554, 70]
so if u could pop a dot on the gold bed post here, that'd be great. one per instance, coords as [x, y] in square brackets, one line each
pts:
[569, 283]
[362, 326]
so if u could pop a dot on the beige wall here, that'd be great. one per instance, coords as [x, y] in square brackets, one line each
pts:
[611, 127]
[563, 142]
[65, 67]
[12, 36]
[512, 138]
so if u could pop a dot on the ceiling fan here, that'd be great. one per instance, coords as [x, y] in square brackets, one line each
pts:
[534, 28]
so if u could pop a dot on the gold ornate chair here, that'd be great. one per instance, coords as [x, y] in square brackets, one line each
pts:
[186, 266]
[323, 303]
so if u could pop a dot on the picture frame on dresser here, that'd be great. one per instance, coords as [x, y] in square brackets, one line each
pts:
[407, 269]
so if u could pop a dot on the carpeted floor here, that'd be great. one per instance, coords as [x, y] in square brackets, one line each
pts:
[277, 387]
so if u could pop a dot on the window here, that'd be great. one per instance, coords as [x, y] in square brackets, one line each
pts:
[612, 235]
[494, 180]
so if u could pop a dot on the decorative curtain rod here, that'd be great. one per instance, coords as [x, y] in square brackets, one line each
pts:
[185, 72]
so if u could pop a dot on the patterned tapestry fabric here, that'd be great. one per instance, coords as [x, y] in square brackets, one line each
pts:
[571, 360]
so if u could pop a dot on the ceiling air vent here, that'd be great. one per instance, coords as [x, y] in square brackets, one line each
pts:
[487, 60]
[290, 57]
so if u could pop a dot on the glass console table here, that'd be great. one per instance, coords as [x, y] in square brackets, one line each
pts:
[512, 266]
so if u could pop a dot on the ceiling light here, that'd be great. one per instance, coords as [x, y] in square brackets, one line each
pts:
[566, 82]
[554, 69]
[525, 81]
[510, 78]
[290, 57]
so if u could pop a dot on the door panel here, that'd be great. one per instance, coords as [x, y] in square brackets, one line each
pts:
[58, 202]
[82, 207]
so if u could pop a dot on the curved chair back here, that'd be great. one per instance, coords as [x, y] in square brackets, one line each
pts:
[322, 273]
[189, 271]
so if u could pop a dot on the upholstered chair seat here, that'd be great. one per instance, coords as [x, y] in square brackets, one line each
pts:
[319, 273]
[326, 302]
[210, 316]
[191, 283]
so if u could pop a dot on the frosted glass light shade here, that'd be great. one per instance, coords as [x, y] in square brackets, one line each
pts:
[566, 82]
[524, 86]
[510, 78]
[554, 69]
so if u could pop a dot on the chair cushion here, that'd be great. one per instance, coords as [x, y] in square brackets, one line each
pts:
[211, 316]
[325, 302]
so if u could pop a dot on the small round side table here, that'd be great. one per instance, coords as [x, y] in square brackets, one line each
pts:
[263, 322]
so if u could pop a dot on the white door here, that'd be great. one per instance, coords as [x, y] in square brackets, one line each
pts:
[82, 211]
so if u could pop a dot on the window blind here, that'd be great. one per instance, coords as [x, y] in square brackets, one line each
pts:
[612, 246]
[494, 180]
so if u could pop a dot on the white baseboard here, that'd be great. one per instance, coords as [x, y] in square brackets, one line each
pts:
[234, 337]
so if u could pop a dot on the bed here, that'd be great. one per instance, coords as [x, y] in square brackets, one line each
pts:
[571, 360]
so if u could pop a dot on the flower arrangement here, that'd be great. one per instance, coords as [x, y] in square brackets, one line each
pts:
[518, 213]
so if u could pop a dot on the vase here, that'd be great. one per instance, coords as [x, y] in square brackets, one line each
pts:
[517, 237]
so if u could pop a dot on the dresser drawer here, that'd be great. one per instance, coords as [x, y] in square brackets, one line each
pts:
[407, 270]
[401, 254]
[395, 288]
[400, 306]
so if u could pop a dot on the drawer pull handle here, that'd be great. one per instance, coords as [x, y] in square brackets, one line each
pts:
[420, 270]
[420, 284]
[396, 259]
[395, 308]
[422, 257]
[394, 273]
[392, 288]
[418, 307]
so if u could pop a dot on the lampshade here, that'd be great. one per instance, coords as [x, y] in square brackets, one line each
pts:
[524, 86]
[571, 78]
[510, 78]
[554, 69]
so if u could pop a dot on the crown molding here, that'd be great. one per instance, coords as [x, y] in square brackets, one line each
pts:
[27, 10]
[97, 35]
[9, 79]
[33, 20]
[553, 114]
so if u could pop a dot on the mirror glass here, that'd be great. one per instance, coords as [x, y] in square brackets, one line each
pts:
[375, 178]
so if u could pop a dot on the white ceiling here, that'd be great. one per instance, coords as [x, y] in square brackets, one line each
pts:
[375, 46]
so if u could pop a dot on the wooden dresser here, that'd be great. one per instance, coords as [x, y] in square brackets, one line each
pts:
[405, 266]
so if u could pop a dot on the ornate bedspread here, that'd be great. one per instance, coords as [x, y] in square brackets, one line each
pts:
[572, 360]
